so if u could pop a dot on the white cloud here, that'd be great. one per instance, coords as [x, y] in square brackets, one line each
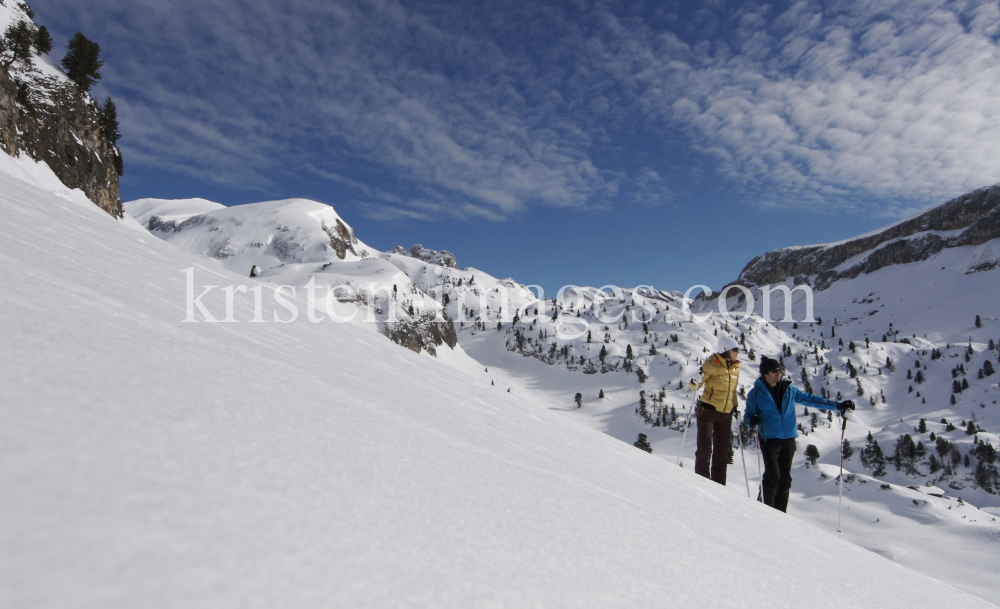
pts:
[861, 100]
[443, 111]
[245, 93]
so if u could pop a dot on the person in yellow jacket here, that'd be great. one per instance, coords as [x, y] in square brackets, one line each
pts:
[720, 377]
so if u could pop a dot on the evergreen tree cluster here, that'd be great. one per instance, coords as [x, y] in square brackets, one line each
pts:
[872, 458]
[661, 415]
[906, 453]
[986, 475]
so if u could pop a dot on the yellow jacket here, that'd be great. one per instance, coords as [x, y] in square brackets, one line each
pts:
[721, 381]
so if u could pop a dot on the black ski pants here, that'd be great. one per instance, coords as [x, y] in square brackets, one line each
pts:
[712, 456]
[778, 456]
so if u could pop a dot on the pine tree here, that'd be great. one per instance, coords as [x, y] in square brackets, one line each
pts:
[904, 452]
[588, 337]
[986, 477]
[82, 62]
[970, 430]
[652, 349]
[108, 120]
[848, 451]
[920, 376]
[979, 322]
[603, 354]
[922, 426]
[600, 394]
[812, 454]
[877, 461]
[16, 45]
[642, 443]
[805, 381]
[43, 40]
[628, 352]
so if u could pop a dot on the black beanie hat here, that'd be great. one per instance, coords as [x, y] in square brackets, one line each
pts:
[767, 365]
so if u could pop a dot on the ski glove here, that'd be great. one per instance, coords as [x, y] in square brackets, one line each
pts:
[845, 406]
[754, 420]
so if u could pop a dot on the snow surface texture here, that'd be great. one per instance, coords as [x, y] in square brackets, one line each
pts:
[549, 357]
[149, 462]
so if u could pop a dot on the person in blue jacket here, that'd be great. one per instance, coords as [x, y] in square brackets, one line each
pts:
[771, 406]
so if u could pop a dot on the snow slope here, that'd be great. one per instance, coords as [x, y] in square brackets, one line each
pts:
[548, 356]
[150, 462]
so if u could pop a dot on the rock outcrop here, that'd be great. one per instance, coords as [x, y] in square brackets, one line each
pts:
[49, 118]
[442, 258]
[423, 332]
[971, 219]
[342, 239]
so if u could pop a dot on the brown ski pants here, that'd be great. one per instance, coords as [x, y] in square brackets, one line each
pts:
[712, 456]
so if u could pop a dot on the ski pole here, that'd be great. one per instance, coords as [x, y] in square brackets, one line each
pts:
[840, 501]
[687, 424]
[739, 434]
[760, 487]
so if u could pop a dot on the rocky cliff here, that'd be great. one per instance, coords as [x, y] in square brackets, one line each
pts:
[47, 116]
[971, 219]
[442, 258]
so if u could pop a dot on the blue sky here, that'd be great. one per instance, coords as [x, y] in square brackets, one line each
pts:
[587, 143]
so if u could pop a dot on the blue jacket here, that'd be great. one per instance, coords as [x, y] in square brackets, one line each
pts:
[780, 423]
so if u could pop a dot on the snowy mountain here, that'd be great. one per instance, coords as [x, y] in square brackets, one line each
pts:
[308, 247]
[630, 353]
[972, 219]
[147, 461]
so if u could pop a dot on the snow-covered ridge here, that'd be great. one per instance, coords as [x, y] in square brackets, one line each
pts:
[268, 234]
[971, 219]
